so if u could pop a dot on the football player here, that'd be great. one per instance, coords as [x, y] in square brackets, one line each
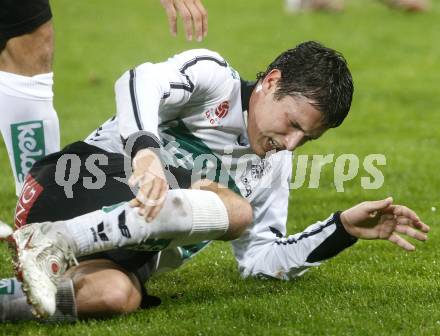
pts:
[117, 205]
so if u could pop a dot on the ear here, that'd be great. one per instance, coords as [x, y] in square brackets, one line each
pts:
[270, 82]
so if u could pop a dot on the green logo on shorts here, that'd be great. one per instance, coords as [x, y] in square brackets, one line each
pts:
[28, 146]
[6, 287]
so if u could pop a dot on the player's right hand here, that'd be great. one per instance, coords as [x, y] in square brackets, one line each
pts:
[192, 13]
[149, 176]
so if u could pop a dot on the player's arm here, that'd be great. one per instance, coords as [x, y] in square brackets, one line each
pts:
[193, 14]
[271, 254]
[288, 257]
[153, 93]
[139, 93]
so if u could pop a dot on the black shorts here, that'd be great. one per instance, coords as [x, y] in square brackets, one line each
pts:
[18, 17]
[45, 199]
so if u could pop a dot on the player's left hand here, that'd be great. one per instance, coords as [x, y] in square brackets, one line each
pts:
[384, 220]
[192, 13]
[149, 176]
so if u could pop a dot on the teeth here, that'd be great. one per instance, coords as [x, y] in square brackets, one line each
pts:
[273, 144]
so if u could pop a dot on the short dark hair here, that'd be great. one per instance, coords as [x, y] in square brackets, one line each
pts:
[317, 73]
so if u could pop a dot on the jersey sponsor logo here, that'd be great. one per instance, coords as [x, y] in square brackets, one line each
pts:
[222, 110]
[29, 194]
[253, 175]
[28, 146]
[215, 116]
[260, 169]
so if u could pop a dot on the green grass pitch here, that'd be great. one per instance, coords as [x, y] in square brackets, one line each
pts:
[371, 289]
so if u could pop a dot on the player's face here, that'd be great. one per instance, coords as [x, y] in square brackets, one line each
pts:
[280, 124]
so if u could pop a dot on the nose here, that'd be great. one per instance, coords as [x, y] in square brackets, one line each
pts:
[293, 140]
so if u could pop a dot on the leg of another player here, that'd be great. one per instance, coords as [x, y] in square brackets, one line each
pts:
[94, 288]
[187, 217]
[29, 54]
[103, 289]
[28, 121]
[15, 307]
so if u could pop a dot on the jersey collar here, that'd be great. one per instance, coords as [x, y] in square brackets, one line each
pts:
[246, 90]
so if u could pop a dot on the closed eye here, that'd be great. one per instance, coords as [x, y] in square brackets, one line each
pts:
[296, 125]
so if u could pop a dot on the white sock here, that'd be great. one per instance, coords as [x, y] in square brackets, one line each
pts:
[28, 121]
[187, 217]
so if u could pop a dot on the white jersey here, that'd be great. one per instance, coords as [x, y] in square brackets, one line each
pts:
[196, 104]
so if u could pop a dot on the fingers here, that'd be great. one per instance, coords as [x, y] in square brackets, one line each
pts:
[161, 199]
[410, 232]
[148, 175]
[421, 226]
[399, 241]
[416, 224]
[135, 203]
[193, 15]
[145, 187]
[404, 221]
[375, 206]
[404, 227]
[134, 179]
[155, 201]
[387, 226]
[196, 20]
[204, 14]
[171, 15]
[186, 17]
[401, 210]
[151, 195]
[407, 216]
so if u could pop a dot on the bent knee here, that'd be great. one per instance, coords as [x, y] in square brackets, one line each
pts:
[103, 291]
[240, 213]
[240, 216]
[243, 216]
[118, 302]
[121, 297]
